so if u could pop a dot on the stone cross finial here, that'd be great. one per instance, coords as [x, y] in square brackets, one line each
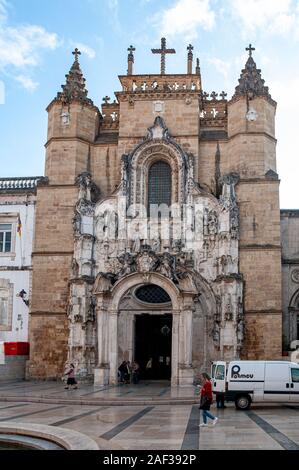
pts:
[190, 59]
[76, 53]
[163, 51]
[250, 49]
[131, 51]
[214, 95]
[190, 48]
[106, 99]
[223, 95]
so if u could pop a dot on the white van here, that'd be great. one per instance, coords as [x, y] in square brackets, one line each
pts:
[245, 382]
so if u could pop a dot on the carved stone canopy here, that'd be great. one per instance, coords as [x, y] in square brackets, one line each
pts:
[251, 83]
[74, 89]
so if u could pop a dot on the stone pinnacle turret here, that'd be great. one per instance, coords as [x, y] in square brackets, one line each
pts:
[251, 83]
[74, 89]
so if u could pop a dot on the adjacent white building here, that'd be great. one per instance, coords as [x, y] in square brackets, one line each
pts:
[17, 212]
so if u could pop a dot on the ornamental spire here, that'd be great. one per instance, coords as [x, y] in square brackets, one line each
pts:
[251, 83]
[74, 89]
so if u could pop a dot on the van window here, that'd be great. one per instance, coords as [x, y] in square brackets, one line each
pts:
[220, 372]
[295, 375]
[213, 370]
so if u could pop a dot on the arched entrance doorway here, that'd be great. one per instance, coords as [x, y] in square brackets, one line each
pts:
[117, 326]
[145, 331]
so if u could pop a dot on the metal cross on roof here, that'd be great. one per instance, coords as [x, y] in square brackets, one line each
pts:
[131, 49]
[76, 53]
[190, 48]
[163, 51]
[250, 49]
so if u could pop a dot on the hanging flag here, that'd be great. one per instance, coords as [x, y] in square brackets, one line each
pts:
[19, 228]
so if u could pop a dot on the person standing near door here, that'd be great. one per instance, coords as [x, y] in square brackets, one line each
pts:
[206, 399]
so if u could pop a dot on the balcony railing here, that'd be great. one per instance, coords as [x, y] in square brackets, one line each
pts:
[19, 184]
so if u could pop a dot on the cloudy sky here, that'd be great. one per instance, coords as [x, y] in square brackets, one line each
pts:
[37, 37]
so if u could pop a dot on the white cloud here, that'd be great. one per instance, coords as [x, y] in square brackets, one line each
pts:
[3, 11]
[91, 54]
[27, 82]
[273, 16]
[185, 17]
[114, 8]
[21, 48]
[221, 66]
[287, 128]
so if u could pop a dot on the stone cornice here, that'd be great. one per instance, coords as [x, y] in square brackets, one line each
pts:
[258, 180]
[259, 247]
[235, 98]
[294, 261]
[263, 312]
[52, 253]
[67, 186]
[249, 133]
[40, 313]
[61, 139]
[155, 95]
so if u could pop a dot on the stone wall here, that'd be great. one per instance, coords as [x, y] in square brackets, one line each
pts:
[290, 275]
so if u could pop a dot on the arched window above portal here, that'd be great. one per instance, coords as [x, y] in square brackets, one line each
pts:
[159, 184]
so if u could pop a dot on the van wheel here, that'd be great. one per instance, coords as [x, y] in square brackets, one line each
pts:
[243, 402]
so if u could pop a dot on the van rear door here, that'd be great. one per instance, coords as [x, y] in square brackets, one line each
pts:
[219, 380]
[277, 381]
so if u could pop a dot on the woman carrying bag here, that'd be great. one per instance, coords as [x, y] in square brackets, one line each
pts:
[206, 399]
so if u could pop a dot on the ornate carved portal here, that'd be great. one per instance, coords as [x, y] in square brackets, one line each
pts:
[193, 255]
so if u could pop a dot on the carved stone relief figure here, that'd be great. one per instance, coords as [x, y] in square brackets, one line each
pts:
[166, 265]
[77, 224]
[99, 226]
[156, 245]
[75, 268]
[146, 262]
[128, 264]
[228, 309]
[84, 181]
[240, 332]
[136, 245]
[216, 332]
[212, 224]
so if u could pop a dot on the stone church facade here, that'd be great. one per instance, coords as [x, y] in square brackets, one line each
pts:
[157, 227]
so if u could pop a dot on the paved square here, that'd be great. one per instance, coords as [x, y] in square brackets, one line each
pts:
[148, 416]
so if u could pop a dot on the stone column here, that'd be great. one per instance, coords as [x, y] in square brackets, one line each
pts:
[113, 346]
[185, 358]
[175, 348]
[101, 373]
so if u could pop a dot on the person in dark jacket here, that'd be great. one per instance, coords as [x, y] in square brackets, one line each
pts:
[122, 371]
[206, 399]
[220, 400]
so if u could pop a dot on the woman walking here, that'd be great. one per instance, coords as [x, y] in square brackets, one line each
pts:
[71, 377]
[206, 399]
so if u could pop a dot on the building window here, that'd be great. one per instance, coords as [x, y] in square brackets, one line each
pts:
[5, 238]
[4, 297]
[152, 294]
[6, 305]
[159, 184]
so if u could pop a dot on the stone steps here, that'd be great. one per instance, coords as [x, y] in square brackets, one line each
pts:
[102, 401]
